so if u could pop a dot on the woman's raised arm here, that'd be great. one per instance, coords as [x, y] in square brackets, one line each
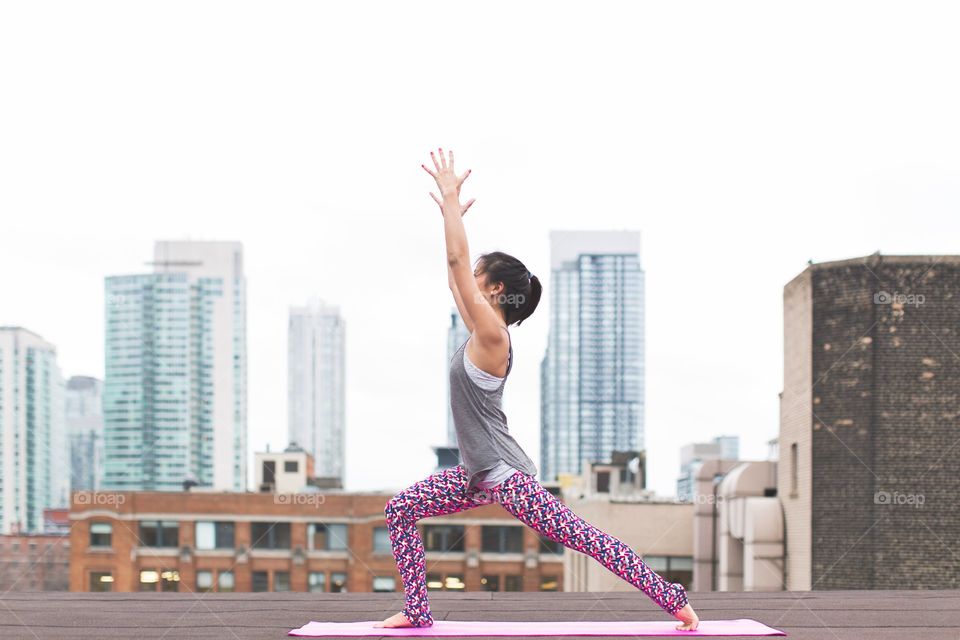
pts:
[487, 329]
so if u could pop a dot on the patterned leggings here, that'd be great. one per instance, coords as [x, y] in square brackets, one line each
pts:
[527, 500]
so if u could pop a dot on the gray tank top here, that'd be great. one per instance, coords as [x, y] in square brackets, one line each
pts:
[481, 426]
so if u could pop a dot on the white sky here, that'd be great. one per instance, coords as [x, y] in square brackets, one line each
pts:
[741, 139]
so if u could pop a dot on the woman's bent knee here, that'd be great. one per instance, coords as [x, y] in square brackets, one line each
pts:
[395, 508]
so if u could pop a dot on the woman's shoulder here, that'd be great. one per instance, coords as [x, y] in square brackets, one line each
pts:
[509, 354]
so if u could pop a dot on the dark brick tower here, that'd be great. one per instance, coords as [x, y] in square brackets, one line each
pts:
[870, 424]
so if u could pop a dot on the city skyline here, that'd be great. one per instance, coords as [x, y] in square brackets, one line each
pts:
[671, 490]
[739, 152]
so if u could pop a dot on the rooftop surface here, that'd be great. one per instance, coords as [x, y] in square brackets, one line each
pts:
[840, 615]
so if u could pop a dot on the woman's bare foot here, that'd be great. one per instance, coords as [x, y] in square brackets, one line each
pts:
[688, 617]
[396, 620]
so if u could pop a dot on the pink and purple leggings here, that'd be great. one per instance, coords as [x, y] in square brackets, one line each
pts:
[528, 501]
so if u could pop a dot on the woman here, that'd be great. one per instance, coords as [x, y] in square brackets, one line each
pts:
[498, 293]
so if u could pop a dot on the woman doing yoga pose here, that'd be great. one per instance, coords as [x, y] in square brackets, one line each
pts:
[498, 293]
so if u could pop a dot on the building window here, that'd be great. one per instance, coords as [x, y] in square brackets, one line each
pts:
[672, 568]
[501, 539]
[384, 583]
[442, 537]
[101, 534]
[550, 546]
[159, 533]
[548, 583]
[794, 458]
[316, 581]
[338, 583]
[226, 581]
[159, 580]
[381, 540]
[269, 472]
[204, 581]
[513, 583]
[448, 582]
[490, 583]
[101, 581]
[214, 535]
[261, 581]
[291, 466]
[281, 581]
[603, 482]
[326, 537]
[270, 535]
[169, 580]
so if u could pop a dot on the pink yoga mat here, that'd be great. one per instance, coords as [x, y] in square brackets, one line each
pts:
[743, 627]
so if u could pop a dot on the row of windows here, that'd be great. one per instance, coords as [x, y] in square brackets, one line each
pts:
[32, 546]
[320, 537]
[224, 581]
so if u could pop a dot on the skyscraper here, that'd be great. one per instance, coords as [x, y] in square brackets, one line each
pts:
[457, 334]
[175, 392]
[592, 376]
[34, 466]
[84, 423]
[316, 387]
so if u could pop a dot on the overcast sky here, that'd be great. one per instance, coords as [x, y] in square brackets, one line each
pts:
[740, 139]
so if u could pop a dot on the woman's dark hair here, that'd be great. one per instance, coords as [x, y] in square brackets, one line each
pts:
[521, 289]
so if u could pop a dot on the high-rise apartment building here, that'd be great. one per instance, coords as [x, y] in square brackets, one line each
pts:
[175, 390]
[316, 389]
[34, 465]
[84, 420]
[457, 334]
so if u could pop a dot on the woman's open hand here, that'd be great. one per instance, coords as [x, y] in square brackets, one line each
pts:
[447, 180]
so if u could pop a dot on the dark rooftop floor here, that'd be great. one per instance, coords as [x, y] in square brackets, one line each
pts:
[840, 615]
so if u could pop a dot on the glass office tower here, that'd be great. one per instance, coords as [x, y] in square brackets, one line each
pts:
[592, 377]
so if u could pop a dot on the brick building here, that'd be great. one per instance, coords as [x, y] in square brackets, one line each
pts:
[37, 561]
[870, 424]
[34, 562]
[330, 541]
